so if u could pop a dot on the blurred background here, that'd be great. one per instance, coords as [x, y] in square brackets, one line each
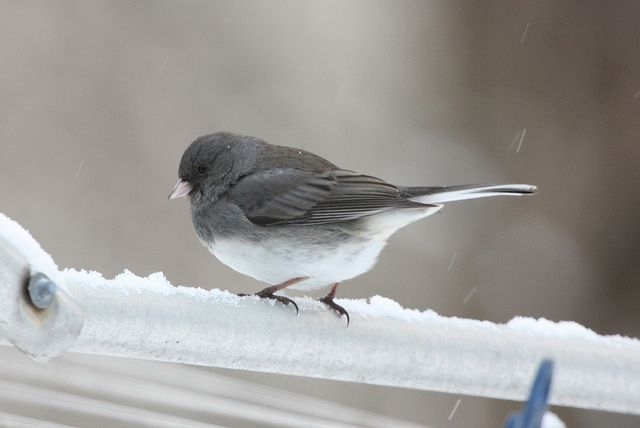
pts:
[99, 99]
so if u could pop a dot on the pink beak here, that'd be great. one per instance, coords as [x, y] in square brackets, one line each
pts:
[181, 189]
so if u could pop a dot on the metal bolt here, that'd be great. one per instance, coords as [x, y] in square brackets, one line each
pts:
[41, 290]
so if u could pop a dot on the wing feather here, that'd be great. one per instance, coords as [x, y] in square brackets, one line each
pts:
[293, 196]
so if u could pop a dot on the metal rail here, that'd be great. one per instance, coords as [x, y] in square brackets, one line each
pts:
[385, 344]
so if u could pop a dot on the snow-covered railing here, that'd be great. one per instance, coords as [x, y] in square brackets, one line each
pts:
[385, 344]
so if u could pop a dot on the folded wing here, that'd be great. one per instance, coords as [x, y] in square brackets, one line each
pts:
[292, 196]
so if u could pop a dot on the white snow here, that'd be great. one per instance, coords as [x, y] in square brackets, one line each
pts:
[453, 259]
[40, 260]
[130, 284]
[524, 34]
[385, 344]
[455, 409]
[564, 330]
[551, 420]
[373, 307]
[376, 306]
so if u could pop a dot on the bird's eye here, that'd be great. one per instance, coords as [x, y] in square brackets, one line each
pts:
[202, 169]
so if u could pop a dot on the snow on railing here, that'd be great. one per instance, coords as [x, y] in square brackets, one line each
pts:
[385, 344]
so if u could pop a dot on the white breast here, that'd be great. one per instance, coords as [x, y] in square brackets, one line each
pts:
[279, 259]
[275, 262]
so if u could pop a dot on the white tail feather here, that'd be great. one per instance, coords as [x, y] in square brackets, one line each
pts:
[459, 193]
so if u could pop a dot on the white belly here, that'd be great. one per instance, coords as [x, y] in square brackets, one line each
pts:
[279, 261]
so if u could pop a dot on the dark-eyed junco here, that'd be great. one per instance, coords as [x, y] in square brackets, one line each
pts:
[290, 218]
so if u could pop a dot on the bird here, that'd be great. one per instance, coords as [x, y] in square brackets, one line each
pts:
[292, 219]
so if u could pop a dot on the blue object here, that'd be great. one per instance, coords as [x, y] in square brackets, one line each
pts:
[535, 408]
[41, 290]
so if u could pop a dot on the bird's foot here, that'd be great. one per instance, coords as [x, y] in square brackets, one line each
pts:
[268, 293]
[328, 300]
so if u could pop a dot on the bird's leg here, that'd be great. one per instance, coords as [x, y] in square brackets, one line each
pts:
[328, 300]
[268, 293]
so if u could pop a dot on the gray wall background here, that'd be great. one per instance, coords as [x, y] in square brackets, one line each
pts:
[99, 99]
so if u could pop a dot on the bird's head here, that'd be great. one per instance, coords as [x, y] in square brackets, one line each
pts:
[212, 163]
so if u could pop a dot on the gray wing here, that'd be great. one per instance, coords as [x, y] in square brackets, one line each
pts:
[293, 196]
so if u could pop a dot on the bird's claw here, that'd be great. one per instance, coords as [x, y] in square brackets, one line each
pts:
[282, 299]
[328, 300]
[266, 294]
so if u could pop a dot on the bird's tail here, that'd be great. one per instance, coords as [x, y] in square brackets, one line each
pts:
[441, 194]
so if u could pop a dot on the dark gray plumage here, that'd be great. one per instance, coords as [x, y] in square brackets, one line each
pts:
[279, 213]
